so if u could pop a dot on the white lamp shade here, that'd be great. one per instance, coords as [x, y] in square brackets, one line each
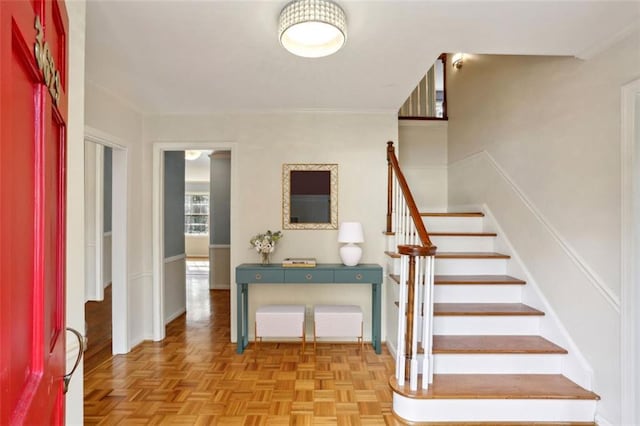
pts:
[350, 232]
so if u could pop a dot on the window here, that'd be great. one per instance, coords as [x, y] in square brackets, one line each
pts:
[196, 214]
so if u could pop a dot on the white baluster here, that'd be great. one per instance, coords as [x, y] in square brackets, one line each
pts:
[426, 324]
[402, 325]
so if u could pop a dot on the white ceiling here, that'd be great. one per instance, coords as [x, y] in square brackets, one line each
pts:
[193, 57]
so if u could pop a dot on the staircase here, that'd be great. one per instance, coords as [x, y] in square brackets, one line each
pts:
[489, 362]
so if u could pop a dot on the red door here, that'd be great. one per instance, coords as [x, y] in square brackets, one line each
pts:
[33, 116]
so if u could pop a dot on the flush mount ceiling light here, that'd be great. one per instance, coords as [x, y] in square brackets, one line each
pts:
[312, 28]
[191, 154]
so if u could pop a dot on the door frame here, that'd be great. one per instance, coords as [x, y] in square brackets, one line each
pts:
[119, 281]
[630, 294]
[96, 292]
[158, 325]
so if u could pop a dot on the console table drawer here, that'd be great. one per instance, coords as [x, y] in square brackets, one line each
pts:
[310, 275]
[357, 276]
[259, 276]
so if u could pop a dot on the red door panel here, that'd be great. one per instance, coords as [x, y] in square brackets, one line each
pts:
[32, 216]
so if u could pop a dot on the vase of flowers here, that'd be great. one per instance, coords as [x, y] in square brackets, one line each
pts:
[265, 244]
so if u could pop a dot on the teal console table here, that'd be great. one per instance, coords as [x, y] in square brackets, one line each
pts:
[323, 273]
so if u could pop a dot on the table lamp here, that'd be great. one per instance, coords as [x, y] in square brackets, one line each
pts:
[350, 233]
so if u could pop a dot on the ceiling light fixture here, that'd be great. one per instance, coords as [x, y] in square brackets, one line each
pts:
[312, 28]
[191, 154]
[457, 60]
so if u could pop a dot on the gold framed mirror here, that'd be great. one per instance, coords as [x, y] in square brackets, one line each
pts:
[310, 196]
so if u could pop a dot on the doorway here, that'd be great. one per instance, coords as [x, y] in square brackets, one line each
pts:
[106, 261]
[164, 284]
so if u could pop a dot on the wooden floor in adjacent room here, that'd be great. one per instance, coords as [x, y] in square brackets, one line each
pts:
[98, 320]
[195, 377]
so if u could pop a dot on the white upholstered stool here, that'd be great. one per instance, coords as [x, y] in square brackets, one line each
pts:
[280, 321]
[337, 321]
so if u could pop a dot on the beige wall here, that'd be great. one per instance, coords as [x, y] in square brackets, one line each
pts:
[546, 131]
[263, 143]
[422, 154]
[220, 271]
[356, 142]
[196, 245]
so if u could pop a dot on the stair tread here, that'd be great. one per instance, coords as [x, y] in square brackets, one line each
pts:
[445, 344]
[460, 255]
[392, 254]
[470, 280]
[476, 279]
[498, 386]
[463, 234]
[482, 309]
[471, 255]
[452, 214]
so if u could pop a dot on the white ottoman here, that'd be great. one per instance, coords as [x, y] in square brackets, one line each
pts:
[280, 321]
[337, 321]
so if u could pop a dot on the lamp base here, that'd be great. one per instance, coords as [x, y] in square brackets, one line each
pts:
[350, 254]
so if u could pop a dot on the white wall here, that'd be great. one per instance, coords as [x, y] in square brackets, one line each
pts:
[89, 221]
[546, 131]
[356, 142]
[109, 114]
[422, 154]
[75, 203]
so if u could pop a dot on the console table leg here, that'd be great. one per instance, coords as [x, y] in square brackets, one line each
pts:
[376, 312]
[241, 317]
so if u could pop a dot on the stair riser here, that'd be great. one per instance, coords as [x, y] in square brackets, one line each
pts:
[453, 224]
[471, 266]
[478, 293]
[498, 363]
[488, 410]
[481, 325]
[463, 243]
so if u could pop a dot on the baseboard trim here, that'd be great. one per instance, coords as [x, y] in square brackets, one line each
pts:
[174, 315]
[175, 258]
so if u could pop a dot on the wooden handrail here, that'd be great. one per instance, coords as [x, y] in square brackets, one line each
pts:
[394, 167]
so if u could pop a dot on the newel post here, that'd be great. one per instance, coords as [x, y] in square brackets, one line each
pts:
[390, 152]
[412, 251]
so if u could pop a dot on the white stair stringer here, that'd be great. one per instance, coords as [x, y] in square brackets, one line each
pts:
[576, 367]
[493, 410]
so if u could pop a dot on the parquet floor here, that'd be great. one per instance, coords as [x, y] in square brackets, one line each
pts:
[195, 377]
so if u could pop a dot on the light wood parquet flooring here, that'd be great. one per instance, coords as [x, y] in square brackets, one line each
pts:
[195, 377]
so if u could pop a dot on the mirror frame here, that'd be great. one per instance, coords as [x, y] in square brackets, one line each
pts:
[286, 195]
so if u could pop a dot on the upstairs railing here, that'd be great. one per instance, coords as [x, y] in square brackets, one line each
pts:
[428, 101]
[415, 312]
